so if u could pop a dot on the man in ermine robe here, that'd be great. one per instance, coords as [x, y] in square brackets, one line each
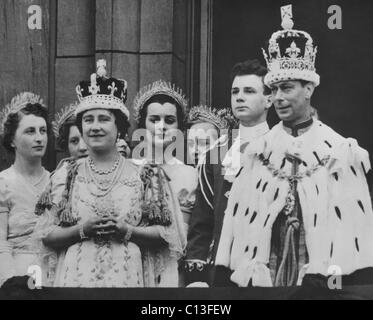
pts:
[300, 209]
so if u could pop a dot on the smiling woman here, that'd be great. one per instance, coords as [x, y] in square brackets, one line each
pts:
[24, 127]
[95, 216]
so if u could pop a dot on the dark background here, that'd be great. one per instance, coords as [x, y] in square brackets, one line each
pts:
[344, 60]
[143, 43]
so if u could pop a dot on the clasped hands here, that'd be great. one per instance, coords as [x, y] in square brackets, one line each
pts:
[105, 227]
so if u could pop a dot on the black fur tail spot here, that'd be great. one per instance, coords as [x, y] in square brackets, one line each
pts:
[357, 244]
[276, 194]
[317, 157]
[353, 171]
[235, 209]
[328, 144]
[362, 165]
[255, 252]
[258, 184]
[338, 212]
[265, 187]
[239, 172]
[361, 205]
[253, 217]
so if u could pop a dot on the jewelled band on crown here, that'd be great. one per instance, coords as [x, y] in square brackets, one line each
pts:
[18, 103]
[291, 54]
[101, 101]
[157, 88]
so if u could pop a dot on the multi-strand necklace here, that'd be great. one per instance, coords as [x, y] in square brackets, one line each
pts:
[103, 180]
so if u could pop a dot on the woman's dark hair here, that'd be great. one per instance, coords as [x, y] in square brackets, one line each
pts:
[162, 99]
[121, 121]
[13, 120]
[249, 67]
[64, 133]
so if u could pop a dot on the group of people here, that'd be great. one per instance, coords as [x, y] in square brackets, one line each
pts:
[259, 207]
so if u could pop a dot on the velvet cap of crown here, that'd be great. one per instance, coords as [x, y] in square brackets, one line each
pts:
[102, 92]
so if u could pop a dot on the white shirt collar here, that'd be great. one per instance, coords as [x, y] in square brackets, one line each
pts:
[248, 133]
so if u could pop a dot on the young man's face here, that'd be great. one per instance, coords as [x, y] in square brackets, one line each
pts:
[291, 100]
[249, 104]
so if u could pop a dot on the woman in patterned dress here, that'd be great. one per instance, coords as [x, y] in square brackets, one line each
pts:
[96, 203]
[160, 110]
[24, 130]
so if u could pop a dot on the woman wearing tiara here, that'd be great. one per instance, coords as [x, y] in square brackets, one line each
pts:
[24, 129]
[68, 138]
[160, 109]
[100, 230]
[207, 128]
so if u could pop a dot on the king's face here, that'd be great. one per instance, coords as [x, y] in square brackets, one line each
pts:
[291, 100]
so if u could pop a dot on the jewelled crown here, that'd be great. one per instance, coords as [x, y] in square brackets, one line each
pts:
[220, 118]
[156, 88]
[61, 117]
[17, 104]
[291, 53]
[102, 92]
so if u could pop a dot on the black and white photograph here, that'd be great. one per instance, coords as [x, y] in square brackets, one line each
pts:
[210, 151]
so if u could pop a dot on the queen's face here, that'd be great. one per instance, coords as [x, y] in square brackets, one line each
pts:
[99, 130]
[76, 145]
[161, 123]
[201, 136]
[31, 138]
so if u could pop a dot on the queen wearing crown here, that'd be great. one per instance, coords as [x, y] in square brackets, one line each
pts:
[99, 229]
[24, 128]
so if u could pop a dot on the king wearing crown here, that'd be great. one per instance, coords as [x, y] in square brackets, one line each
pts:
[300, 209]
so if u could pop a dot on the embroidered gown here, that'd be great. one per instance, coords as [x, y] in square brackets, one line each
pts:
[18, 198]
[182, 185]
[111, 262]
[101, 263]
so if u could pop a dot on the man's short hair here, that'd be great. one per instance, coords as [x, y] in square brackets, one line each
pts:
[249, 67]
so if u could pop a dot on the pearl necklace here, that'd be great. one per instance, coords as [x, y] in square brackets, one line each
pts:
[104, 187]
[103, 172]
